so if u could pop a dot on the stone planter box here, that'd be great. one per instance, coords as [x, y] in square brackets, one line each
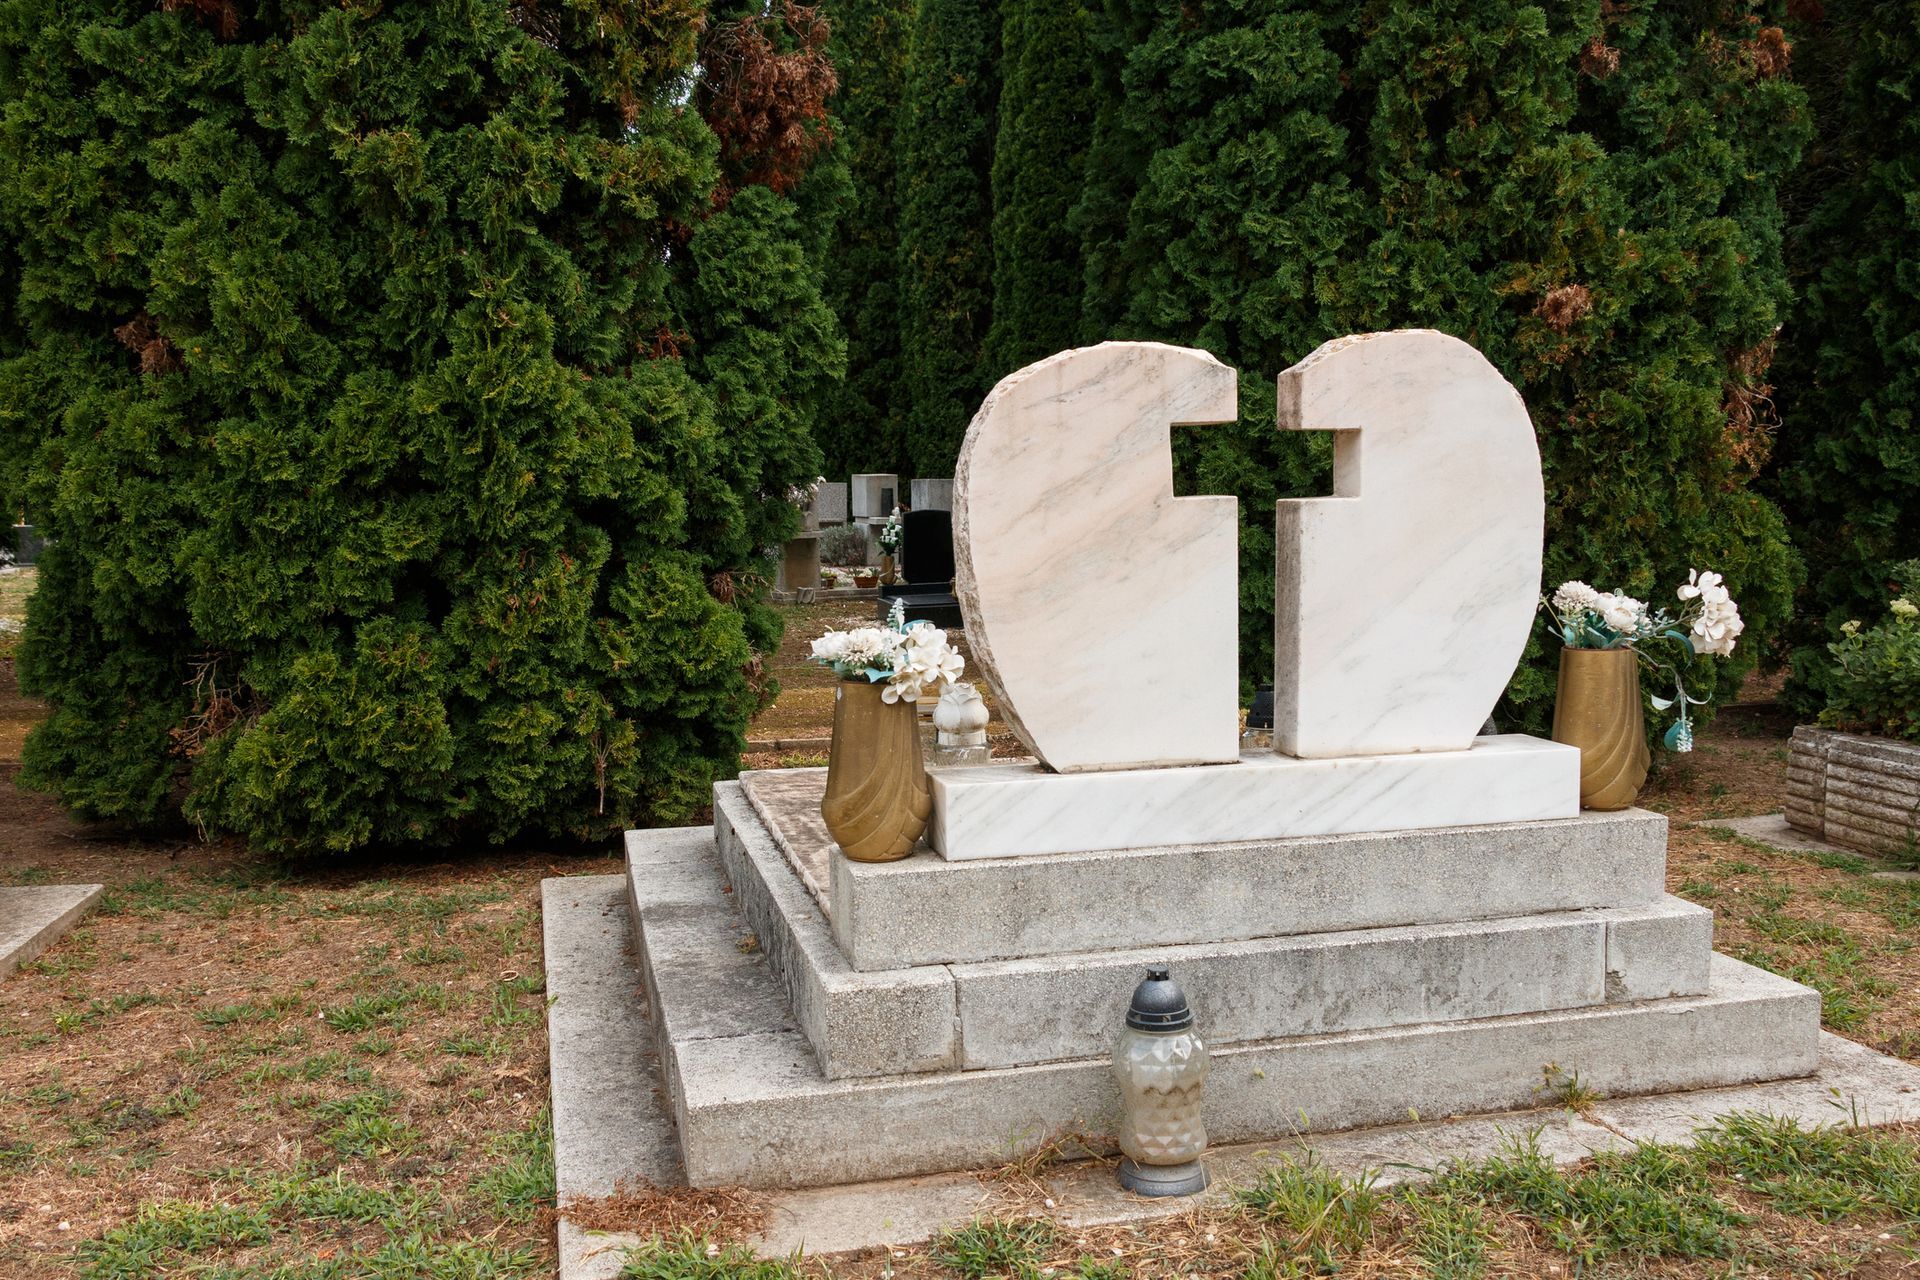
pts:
[1854, 790]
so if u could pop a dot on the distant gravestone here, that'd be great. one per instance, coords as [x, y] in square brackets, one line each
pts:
[926, 548]
[830, 503]
[875, 495]
[24, 542]
[932, 495]
[926, 567]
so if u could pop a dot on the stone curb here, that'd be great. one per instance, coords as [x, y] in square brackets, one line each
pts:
[34, 917]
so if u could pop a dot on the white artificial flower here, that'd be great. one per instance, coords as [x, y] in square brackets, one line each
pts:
[1623, 614]
[1717, 627]
[1574, 596]
[1705, 586]
[1904, 608]
[830, 647]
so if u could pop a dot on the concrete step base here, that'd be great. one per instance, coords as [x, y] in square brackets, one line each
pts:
[608, 1131]
[1021, 1012]
[752, 1106]
[926, 910]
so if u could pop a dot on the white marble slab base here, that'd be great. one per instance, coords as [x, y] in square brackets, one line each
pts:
[1016, 810]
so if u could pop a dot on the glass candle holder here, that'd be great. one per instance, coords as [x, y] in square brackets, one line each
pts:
[1161, 1064]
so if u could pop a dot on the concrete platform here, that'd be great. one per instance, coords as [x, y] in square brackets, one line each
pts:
[610, 1126]
[1772, 829]
[1022, 1012]
[34, 917]
[753, 1107]
[925, 910]
[1027, 810]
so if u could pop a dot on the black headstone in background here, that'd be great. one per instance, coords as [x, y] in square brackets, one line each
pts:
[926, 570]
[25, 542]
[926, 548]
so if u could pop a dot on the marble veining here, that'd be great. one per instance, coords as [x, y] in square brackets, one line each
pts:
[1404, 601]
[1100, 608]
[1012, 810]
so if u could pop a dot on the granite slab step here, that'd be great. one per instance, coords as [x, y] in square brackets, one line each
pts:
[752, 1106]
[1013, 1013]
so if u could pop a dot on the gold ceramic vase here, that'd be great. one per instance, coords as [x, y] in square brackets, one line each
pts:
[877, 800]
[1598, 711]
[887, 574]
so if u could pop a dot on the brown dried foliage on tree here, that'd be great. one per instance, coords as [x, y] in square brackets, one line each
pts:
[1772, 55]
[157, 353]
[222, 15]
[1565, 307]
[1751, 418]
[1599, 59]
[767, 82]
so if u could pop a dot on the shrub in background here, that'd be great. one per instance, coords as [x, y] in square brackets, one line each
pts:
[408, 425]
[843, 544]
[1039, 156]
[1875, 687]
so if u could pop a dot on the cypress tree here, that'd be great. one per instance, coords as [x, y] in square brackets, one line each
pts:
[865, 429]
[399, 413]
[1046, 115]
[1587, 193]
[946, 247]
[1849, 467]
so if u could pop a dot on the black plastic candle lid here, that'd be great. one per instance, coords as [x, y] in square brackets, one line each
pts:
[1159, 1004]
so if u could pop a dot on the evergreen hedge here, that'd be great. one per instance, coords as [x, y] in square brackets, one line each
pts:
[1039, 156]
[1588, 193]
[1849, 465]
[866, 427]
[408, 424]
[945, 242]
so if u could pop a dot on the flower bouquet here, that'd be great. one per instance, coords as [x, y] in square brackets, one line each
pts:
[1707, 622]
[877, 802]
[909, 659]
[890, 535]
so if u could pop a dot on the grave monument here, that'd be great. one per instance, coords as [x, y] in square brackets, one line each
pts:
[925, 588]
[1384, 915]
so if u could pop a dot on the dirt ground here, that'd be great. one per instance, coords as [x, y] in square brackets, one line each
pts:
[239, 1067]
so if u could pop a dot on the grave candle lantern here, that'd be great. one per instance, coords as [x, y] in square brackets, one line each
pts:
[1162, 1067]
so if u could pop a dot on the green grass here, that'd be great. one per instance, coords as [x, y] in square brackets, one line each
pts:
[1827, 1174]
[1325, 1213]
[980, 1250]
[1647, 1203]
[519, 1178]
[139, 1248]
[1452, 1234]
[364, 1126]
[271, 1010]
[689, 1257]
[385, 1009]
